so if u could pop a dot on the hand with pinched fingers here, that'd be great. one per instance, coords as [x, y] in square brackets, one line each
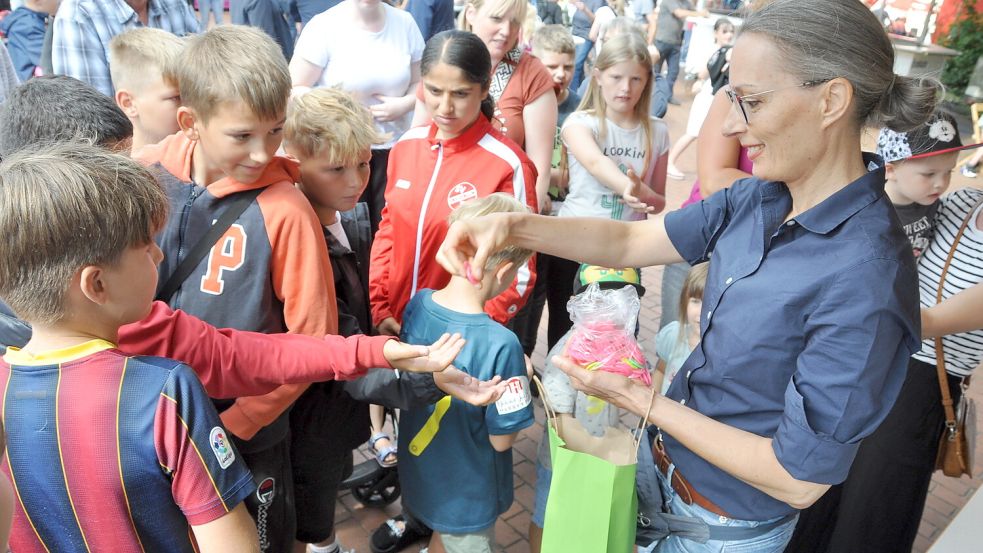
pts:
[465, 387]
[469, 244]
[424, 359]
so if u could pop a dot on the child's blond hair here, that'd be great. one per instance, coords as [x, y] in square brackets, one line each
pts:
[138, 56]
[497, 7]
[693, 285]
[231, 63]
[499, 202]
[65, 206]
[552, 38]
[329, 123]
[630, 46]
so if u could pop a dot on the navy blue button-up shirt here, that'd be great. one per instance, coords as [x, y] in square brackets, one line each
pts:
[807, 327]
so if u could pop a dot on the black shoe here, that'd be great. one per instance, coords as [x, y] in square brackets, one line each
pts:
[674, 101]
[390, 537]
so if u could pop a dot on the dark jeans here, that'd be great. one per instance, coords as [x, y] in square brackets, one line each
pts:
[880, 505]
[580, 57]
[668, 53]
[272, 504]
[525, 324]
[375, 192]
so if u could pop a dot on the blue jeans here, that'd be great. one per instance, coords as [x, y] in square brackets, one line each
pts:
[580, 57]
[207, 6]
[668, 53]
[771, 541]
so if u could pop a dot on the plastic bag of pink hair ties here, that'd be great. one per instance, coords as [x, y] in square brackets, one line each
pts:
[603, 336]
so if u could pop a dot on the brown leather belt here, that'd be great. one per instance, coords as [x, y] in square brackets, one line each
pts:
[680, 485]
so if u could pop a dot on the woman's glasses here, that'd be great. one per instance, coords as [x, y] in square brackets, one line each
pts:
[738, 100]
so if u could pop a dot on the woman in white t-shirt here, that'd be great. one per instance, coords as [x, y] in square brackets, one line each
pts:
[373, 51]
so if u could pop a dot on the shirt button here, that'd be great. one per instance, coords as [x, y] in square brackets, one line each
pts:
[791, 223]
[688, 373]
[682, 402]
[729, 280]
[709, 313]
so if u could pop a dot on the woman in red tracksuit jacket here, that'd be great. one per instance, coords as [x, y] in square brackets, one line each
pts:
[434, 169]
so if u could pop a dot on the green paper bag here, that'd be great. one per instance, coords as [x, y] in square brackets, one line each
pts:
[592, 506]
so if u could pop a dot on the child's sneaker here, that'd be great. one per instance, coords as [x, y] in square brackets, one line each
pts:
[969, 172]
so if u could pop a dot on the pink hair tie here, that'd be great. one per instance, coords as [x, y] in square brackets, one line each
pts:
[602, 345]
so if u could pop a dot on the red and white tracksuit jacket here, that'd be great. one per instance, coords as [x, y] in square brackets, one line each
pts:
[427, 180]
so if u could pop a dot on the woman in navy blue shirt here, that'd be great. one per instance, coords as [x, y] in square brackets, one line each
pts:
[811, 307]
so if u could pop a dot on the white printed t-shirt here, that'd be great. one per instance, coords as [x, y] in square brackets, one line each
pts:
[364, 63]
[587, 197]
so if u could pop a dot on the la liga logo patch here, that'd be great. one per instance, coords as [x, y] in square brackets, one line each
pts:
[221, 447]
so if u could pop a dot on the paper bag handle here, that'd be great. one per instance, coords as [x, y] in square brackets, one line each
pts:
[551, 417]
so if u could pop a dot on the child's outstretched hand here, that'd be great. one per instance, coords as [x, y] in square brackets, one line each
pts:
[640, 197]
[423, 359]
[465, 387]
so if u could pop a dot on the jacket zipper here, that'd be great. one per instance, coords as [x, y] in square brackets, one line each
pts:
[185, 215]
[423, 212]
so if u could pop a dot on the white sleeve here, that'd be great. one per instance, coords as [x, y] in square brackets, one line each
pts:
[313, 44]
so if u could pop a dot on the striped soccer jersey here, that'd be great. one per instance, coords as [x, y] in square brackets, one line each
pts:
[964, 351]
[109, 452]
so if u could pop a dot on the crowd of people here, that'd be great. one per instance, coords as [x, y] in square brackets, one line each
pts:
[233, 248]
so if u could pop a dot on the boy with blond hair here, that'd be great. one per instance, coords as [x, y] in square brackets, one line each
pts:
[455, 467]
[554, 46]
[141, 64]
[107, 452]
[269, 269]
[331, 134]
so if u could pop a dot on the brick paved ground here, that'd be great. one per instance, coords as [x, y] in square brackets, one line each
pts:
[355, 522]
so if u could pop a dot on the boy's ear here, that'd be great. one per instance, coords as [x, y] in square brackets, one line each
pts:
[92, 284]
[502, 271]
[125, 102]
[889, 170]
[186, 119]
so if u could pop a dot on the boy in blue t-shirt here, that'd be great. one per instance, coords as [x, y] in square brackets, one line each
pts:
[455, 459]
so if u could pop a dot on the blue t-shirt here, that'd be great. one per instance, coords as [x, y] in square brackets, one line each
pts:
[458, 483]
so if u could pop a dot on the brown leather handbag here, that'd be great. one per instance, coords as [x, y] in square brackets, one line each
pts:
[958, 441]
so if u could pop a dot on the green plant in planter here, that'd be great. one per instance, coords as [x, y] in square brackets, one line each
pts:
[966, 36]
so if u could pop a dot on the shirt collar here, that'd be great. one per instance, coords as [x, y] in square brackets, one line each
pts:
[125, 13]
[834, 210]
[465, 140]
[16, 356]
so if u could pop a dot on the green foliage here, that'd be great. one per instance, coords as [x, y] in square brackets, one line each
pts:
[966, 36]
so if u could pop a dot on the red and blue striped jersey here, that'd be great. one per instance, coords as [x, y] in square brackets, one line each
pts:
[109, 452]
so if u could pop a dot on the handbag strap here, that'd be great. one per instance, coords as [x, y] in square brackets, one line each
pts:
[184, 269]
[950, 414]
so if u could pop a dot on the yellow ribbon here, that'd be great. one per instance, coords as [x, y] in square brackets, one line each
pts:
[430, 428]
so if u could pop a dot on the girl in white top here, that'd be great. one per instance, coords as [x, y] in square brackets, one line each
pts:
[617, 152]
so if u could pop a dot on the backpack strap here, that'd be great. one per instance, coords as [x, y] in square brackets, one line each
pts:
[184, 269]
